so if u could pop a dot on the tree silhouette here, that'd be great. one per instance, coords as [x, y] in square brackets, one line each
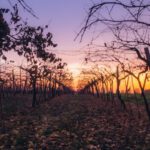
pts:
[33, 43]
[129, 28]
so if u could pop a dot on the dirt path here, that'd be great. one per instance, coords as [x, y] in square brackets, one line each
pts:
[74, 122]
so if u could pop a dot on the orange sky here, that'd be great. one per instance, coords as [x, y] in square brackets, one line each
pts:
[65, 18]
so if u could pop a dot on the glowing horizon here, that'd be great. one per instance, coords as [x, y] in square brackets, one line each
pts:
[64, 18]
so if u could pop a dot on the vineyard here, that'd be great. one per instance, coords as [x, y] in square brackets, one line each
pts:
[47, 103]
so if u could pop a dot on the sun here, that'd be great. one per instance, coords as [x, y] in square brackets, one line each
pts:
[75, 69]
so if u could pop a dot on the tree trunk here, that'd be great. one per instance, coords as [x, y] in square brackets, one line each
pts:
[145, 99]
[1, 112]
[97, 92]
[34, 101]
[119, 95]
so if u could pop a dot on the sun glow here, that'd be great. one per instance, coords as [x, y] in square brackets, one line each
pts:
[75, 68]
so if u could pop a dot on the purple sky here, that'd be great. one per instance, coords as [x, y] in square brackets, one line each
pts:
[65, 18]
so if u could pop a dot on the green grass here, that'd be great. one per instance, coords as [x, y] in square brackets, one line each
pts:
[138, 99]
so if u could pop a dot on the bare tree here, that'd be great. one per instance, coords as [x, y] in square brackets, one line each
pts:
[129, 28]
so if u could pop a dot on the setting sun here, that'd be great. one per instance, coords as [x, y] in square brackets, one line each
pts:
[74, 74]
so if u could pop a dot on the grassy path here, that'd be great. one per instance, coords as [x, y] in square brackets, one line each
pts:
[74, 122]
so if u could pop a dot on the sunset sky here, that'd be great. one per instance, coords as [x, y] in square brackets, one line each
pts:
[65, 18]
